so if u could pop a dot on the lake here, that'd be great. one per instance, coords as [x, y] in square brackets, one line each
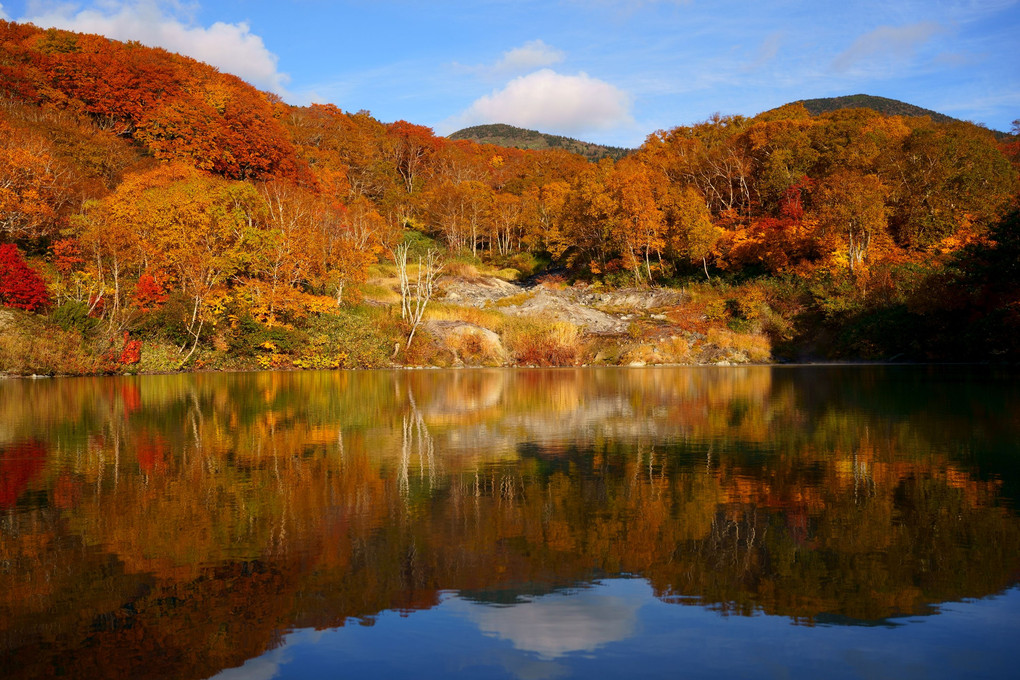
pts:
[837, 521]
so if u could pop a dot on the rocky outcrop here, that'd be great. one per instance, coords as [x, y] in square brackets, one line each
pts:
[628, 326]
[595, 311]
[468, 343]
[555, 305]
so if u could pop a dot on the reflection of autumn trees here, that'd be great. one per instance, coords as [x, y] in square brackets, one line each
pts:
[191, 519]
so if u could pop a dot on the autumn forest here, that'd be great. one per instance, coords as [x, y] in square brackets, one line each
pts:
[157, 215]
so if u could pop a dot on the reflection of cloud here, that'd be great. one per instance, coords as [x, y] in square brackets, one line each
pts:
[886, 40]
[550, 101]
[232, 48]
[263, 667]
[553, 625]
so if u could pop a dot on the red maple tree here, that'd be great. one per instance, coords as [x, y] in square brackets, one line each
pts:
[20, 286]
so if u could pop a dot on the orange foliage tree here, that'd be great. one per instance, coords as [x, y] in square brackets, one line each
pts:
[32, 185]
[177, 107]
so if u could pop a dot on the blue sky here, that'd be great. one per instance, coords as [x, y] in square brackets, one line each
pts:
[609, 71]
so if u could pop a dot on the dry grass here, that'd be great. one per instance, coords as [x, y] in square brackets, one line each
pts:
[755, 346]
[677, 350]
[381, 291]
[382, 270]
[462, 270]
[536, 342]
[486, 318]
[29, 346]
[473, 349]
[670, 350]
[515, 300]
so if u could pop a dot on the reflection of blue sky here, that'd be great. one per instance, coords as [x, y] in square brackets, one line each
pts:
[619, 629]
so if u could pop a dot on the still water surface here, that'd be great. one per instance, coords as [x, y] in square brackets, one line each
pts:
[669, 522]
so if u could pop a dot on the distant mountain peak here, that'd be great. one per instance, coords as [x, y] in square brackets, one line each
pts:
[502, 134]
[883, 105]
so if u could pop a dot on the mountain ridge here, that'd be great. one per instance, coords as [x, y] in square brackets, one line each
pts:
[883, 105]
[503, 134]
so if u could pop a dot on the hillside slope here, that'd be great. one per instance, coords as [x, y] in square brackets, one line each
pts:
[501, 134]
[883, 105]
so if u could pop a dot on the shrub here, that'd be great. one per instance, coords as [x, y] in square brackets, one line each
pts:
[532, 342]
[754, 346]
[167, 322]
[250, 335]
[552, 281]
[148, 294]
[525, 263]
[20, 286]
[418, 244]
[364, 335]
[74, 316]
[28, 346]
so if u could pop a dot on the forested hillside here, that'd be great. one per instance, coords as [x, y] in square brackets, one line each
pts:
[883, 105]
[501, 134]
[157, 214]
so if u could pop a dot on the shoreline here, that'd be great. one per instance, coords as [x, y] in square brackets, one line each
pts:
[800, 364]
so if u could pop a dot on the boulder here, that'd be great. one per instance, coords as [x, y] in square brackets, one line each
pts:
[470, 344]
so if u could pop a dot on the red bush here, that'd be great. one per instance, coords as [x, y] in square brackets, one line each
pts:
[148, 294]
[132, 352]
[20, 286]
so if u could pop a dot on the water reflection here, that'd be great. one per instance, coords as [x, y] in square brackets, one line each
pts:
[649, 639]
[553, 625]
[195, 520]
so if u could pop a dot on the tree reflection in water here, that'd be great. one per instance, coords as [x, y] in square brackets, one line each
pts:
[185, 523]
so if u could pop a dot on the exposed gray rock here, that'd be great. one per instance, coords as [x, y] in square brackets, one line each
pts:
[478, 293]
[574, 305]
[596, 312]
[552, 304]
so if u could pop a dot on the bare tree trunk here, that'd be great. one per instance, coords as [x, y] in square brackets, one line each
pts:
[414, 297]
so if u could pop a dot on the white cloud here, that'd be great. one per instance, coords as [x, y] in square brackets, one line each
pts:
[551, 102]
[3, 14]
[534, 54]
[767, 51]
[528, 57]
[230, 47]
[896, 41]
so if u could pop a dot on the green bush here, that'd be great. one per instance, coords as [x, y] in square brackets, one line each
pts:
[526, 263]
[74, 316]
[418, 244]
[168, 322]
[364, 335]
[250, 335]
